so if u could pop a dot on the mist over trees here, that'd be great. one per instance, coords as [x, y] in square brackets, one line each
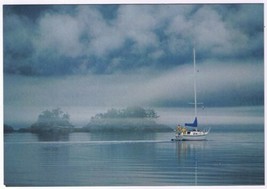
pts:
[54, 121]
[53, 124]
[128, 119]
[8, 129]
[129, 112]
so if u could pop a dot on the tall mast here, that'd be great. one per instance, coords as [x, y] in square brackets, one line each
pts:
[194, 124]
[195, 84]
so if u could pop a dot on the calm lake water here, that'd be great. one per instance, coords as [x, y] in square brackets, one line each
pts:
[232, 155]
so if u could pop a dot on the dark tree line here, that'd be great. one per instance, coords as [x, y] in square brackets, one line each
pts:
[55, 122]
[53, 117]
[128, 119]
[52, 121]
[130, 112]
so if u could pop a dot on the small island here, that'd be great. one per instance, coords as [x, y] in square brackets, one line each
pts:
[8, 129]
[128, 119]
[56, 123]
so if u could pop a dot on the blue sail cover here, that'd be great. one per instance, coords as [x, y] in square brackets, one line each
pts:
[194, 124]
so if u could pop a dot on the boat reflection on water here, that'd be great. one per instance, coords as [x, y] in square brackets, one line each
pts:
[189, 148]
[188, 153]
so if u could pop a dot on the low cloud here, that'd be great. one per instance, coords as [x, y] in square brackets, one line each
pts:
[218, 85]
[64, 39]
[81, 57]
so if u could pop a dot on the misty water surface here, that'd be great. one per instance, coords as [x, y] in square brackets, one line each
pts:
[232, 155]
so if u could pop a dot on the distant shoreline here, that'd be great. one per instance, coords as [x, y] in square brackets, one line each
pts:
[157, 128]
[130, 119]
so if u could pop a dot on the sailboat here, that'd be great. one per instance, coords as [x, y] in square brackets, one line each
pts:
[183, 133]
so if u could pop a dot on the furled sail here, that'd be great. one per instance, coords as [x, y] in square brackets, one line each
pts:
[194, 124]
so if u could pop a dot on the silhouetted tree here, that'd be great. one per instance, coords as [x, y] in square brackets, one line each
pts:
[8, 129]
[52, 121]
[129, 112]
[133, 118]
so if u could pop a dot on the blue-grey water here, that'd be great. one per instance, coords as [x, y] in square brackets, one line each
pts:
[232, 155]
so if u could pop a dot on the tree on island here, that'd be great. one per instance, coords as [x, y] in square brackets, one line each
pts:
[129, 119]
[8, 129]
[129, 112]
[54, 121]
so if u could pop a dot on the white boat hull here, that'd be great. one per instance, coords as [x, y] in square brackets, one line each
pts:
[191, 136]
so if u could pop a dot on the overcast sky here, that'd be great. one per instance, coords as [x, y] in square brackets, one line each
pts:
[122, 55]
